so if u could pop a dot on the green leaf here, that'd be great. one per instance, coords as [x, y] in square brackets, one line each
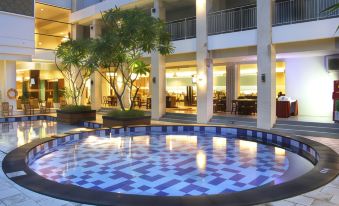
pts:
[331, 8]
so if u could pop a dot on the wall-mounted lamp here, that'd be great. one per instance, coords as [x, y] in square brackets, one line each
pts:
[263, 78]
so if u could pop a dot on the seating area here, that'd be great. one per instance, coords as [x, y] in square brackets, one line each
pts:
[244, 105]
[31, 107]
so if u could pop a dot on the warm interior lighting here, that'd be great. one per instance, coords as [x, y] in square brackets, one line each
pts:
[219, 144]
[141, 140]
[117, 142]
[178, 141]
[279, 151]
[21, 138]
[180, 74]
[92, 138]
[201, 4]
[247, 146]
[201, 160]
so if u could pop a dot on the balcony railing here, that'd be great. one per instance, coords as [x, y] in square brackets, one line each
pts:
[245, 18]
[295, 11]
[231, 20]
[182, 29]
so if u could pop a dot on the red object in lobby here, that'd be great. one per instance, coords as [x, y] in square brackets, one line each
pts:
[286, 109]
[283, 109]
[335, 97]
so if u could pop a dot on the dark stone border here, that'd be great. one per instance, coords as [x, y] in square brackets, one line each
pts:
[325, 159]
[75, 112]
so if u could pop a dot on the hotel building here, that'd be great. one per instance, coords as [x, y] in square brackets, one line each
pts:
[224, 49]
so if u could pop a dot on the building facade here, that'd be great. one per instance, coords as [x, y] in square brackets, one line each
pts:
[224, 49]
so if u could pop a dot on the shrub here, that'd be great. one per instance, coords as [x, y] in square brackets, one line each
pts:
[127, 114]
[76, 108]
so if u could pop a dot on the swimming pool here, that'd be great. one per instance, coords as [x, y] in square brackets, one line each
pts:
[169, 165]
[172, 165]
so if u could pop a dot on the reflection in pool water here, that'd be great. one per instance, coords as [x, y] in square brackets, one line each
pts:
[16, 134]
[169, 165]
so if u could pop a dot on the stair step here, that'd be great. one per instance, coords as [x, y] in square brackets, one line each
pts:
[307, 132]
[302, 123]
[308, 128]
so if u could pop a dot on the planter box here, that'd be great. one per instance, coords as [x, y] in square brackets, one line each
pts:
[75, 117]
[113, 121]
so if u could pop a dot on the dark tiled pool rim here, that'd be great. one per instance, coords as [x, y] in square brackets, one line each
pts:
[325, 170]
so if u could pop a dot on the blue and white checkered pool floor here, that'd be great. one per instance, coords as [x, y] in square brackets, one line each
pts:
[167, 165]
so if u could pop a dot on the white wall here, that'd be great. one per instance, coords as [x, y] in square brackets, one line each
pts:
[309, 83]
[312, 30]
[232, 40]
[16, 36]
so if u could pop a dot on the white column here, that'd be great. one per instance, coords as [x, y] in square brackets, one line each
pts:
[158, 71]
[7, 81]
[232, 84]
[77, 31]
[204, 64]
[266, 67]
[76, 34]
[95, 29]
[96, 79]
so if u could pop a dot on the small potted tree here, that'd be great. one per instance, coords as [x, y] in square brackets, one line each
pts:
[71, 59]
[56, 93]
[119, 52]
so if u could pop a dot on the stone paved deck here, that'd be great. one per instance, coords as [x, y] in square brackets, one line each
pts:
[13, 195]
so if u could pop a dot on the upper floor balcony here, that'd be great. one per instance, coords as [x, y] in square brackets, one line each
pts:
[245, 18]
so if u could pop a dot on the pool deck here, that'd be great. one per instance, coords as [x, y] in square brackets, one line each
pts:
[12, 194]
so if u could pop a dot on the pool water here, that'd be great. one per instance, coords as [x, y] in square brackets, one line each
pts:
[169, 165]
[15, 134]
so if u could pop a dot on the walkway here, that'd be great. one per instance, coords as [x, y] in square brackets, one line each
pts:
[13, 195]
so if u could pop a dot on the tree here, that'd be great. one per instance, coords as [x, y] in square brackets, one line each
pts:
[72, 60]
[127, 35]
